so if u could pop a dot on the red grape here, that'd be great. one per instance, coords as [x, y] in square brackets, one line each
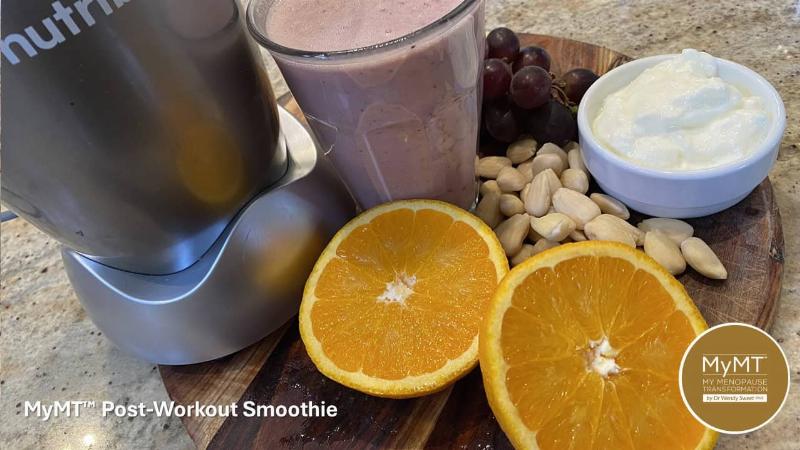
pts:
[576, 82]
[500, 121]
[532, 56]
[530, 87]
[552, 122]
[502, 43]
[489, 145]
[496, 78]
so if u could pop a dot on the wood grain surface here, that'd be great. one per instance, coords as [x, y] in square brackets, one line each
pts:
[277, 370]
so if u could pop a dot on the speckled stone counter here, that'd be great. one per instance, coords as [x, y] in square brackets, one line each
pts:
[51, 351]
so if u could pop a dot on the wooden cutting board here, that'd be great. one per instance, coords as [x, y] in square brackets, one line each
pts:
[277, 370]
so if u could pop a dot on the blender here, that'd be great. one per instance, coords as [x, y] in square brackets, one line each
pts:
[145, 137]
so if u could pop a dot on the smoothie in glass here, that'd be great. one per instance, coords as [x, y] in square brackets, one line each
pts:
[390, 89]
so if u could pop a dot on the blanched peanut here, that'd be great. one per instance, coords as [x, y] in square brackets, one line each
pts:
[575, 159]
[542, 245]
[510, 179]
[524, 192]
[577, 236]
[636, 234]
[488, 209]
[547, 161]
[702, 259]
[490, 186]
[575, 205]
[666, 252]
[576, 180]
[553, 227]
[533, 236]
[489, 166]
[550, 148]
[521, 150]
[602, 230]
[512, 232]
[610, 205]
[537, 199]
[552, 180]
[524, 253]
[571, 145]
[526, 169]
[675, 229]
[510, 204]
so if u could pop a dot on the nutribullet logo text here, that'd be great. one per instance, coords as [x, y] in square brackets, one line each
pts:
[64, 21]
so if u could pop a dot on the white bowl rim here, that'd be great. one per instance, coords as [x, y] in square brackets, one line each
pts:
[771, 141]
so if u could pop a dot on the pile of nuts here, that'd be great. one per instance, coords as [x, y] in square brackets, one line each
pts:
[537, 199]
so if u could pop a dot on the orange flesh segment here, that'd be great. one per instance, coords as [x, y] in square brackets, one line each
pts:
[555, 315]
[446, 266]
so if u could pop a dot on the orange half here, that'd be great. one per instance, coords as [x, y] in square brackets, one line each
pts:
[580, 349]
[394, 304]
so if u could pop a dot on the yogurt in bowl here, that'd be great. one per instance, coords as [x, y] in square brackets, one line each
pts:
[680, 115]
[680, 135]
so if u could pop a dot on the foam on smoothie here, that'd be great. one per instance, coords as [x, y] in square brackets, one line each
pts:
[329, 25]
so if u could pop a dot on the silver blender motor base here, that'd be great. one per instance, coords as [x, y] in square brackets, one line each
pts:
[247, 284]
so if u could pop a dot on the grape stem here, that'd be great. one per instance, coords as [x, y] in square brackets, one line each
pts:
[557, 88]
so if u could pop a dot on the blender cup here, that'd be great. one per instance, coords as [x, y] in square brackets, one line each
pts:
[399, 119]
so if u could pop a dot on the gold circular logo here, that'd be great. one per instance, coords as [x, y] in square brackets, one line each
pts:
[734, 378]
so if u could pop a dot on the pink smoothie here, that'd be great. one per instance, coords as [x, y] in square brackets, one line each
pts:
[398, 121]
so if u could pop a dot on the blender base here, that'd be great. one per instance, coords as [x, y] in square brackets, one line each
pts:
[249, 283]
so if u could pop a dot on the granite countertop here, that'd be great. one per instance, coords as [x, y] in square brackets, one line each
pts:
[51, 351]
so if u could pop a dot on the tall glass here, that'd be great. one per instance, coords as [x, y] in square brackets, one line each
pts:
[399, 119]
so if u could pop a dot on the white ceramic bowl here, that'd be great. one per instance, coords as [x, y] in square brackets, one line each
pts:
[678, 194]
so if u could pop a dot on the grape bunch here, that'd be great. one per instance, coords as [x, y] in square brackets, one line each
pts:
[522, 97]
